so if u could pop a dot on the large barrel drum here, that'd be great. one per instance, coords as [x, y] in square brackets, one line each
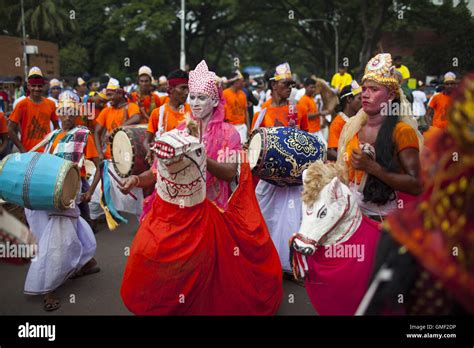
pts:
[279, 155]
[128, 150]
[39, 181]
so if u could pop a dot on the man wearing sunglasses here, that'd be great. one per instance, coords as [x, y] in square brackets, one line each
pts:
[439, 104]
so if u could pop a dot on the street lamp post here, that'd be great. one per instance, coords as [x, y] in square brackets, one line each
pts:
[182, 58]
[25, 58]
[336, 39]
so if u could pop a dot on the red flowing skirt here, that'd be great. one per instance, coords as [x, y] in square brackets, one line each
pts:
[203, 261]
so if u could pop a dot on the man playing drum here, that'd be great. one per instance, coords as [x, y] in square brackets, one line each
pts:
[281, 206]
[66, 243]
[119, 113]
[32, 116]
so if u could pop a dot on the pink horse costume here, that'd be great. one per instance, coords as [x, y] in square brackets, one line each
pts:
[335, 247]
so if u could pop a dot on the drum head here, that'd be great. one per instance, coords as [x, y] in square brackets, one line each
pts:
[122, 153]
[70, 186]
[255, 148]
[90, 168]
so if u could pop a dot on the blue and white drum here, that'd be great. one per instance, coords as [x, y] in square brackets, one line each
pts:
[279, 155]
[39, 181]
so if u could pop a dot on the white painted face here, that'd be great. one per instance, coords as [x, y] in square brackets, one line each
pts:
[330, 219]
[202, 105]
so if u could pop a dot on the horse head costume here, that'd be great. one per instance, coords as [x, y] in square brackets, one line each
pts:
[181, 168]
[335, 247]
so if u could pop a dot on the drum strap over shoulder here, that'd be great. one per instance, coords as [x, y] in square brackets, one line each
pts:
[261, 115]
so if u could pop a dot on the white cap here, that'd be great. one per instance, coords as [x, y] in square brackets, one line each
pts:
[113, 84]
[80, 81]
[35, 71]
[144, 70]
[162, 80]
[54, 83]
[449, 76]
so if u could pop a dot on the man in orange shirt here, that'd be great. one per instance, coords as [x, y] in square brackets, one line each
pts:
[91, 110]
[3, 135]
[277, 112]
[32, 116]
[173, 112]
[309, 104]
[119, 113]
[236, 112]
[144, 97]
[439, 104]
[350, 104]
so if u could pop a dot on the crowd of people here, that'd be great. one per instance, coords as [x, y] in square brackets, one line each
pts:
[375, 130]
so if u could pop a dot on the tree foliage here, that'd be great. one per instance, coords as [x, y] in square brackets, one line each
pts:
[118, 36]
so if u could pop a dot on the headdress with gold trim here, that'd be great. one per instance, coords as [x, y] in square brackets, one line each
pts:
[380, 69]
[282, 71]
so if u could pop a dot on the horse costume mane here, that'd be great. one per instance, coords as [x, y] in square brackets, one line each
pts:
[318, 176]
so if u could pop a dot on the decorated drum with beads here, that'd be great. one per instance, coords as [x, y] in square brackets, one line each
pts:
[39, 181]
[279, 155]
[128, 150]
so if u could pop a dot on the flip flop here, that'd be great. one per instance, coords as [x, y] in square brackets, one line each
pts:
[51, 304]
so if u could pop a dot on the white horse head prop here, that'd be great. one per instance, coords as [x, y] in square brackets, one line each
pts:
[181, 166]
[330, 212]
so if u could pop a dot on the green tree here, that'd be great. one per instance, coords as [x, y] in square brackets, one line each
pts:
[73, 60]
[46, 19]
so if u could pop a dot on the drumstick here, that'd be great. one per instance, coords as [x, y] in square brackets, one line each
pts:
[120, 183]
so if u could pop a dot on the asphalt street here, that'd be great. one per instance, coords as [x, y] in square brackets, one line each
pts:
[99, 294]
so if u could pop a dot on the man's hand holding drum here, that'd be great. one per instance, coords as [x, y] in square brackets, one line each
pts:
[129, 184]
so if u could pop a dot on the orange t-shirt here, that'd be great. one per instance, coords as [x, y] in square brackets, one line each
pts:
[34, 120]
[146, 101]
[235, 106]
[277, 116]
[90, 151]
[267, 103]
[171, 118]
[86, 122]
[404, 137]
[112, 118]
[310, 106]
[164, 99]
[440, 104]
[3, 124]
[335, 130]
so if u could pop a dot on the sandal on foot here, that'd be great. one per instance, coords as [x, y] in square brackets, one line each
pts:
[89, 268]
[51, 304]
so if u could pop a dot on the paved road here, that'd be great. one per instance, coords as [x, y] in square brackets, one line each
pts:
[99, 294]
